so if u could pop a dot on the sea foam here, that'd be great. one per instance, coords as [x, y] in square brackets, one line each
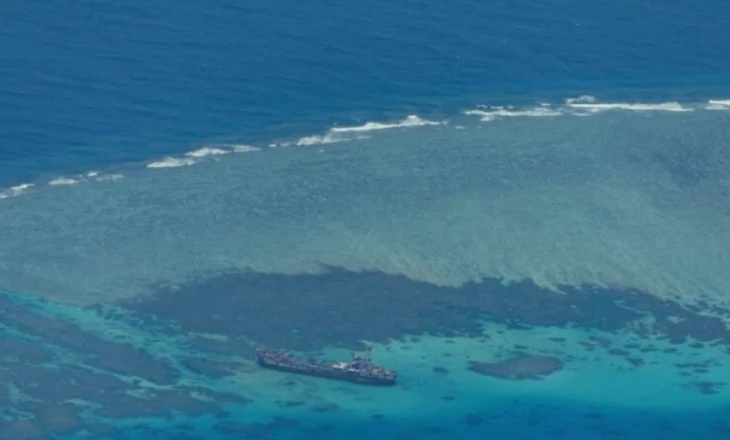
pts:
[584, 105]
[15, 190]
[409, 121]
[577, 203]
[492, 113]
[640, 107]
[718, 104]
[207, 151]
[63, 181]
[171, 162]
[343, 134]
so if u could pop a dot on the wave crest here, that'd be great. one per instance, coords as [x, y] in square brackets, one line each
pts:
[586, 105]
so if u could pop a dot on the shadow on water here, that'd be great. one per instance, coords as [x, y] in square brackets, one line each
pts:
[82, 372]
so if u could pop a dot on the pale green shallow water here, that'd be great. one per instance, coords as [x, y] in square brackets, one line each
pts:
[627, 198]
[422, 220]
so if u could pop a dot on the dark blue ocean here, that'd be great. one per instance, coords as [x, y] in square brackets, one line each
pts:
[520, 206]
[93, 83]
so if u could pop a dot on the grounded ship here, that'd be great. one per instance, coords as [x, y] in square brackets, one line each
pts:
[359, 370]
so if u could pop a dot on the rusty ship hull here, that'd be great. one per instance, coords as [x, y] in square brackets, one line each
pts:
[358, 371]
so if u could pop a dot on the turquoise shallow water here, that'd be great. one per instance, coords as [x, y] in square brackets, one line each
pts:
[523, 207]
[617, 194]
[529, 271]
[180, 376]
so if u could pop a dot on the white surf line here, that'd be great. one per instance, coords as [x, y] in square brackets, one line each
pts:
[586, 105]
[16, 190]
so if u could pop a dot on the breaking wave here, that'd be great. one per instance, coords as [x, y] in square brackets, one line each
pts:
[15, 190]
[343, 134]
[718, 104]
[620, 201]
[584, 105]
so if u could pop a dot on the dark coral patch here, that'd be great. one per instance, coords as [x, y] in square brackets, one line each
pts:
[160, 403]
[125, 359]
[22, 350]
[116, 357]
[22, 429]
[209, 367]
[706, 387]
[521, 366]
[227, 347]
[308, 312]
[378, 307]
[323, 407]
[691, 365]
[290, 403]
[256, 430]
[618, 352]
[473, 420]
[107, 374]
[59, 419]
[278, 422]
[244, 430]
